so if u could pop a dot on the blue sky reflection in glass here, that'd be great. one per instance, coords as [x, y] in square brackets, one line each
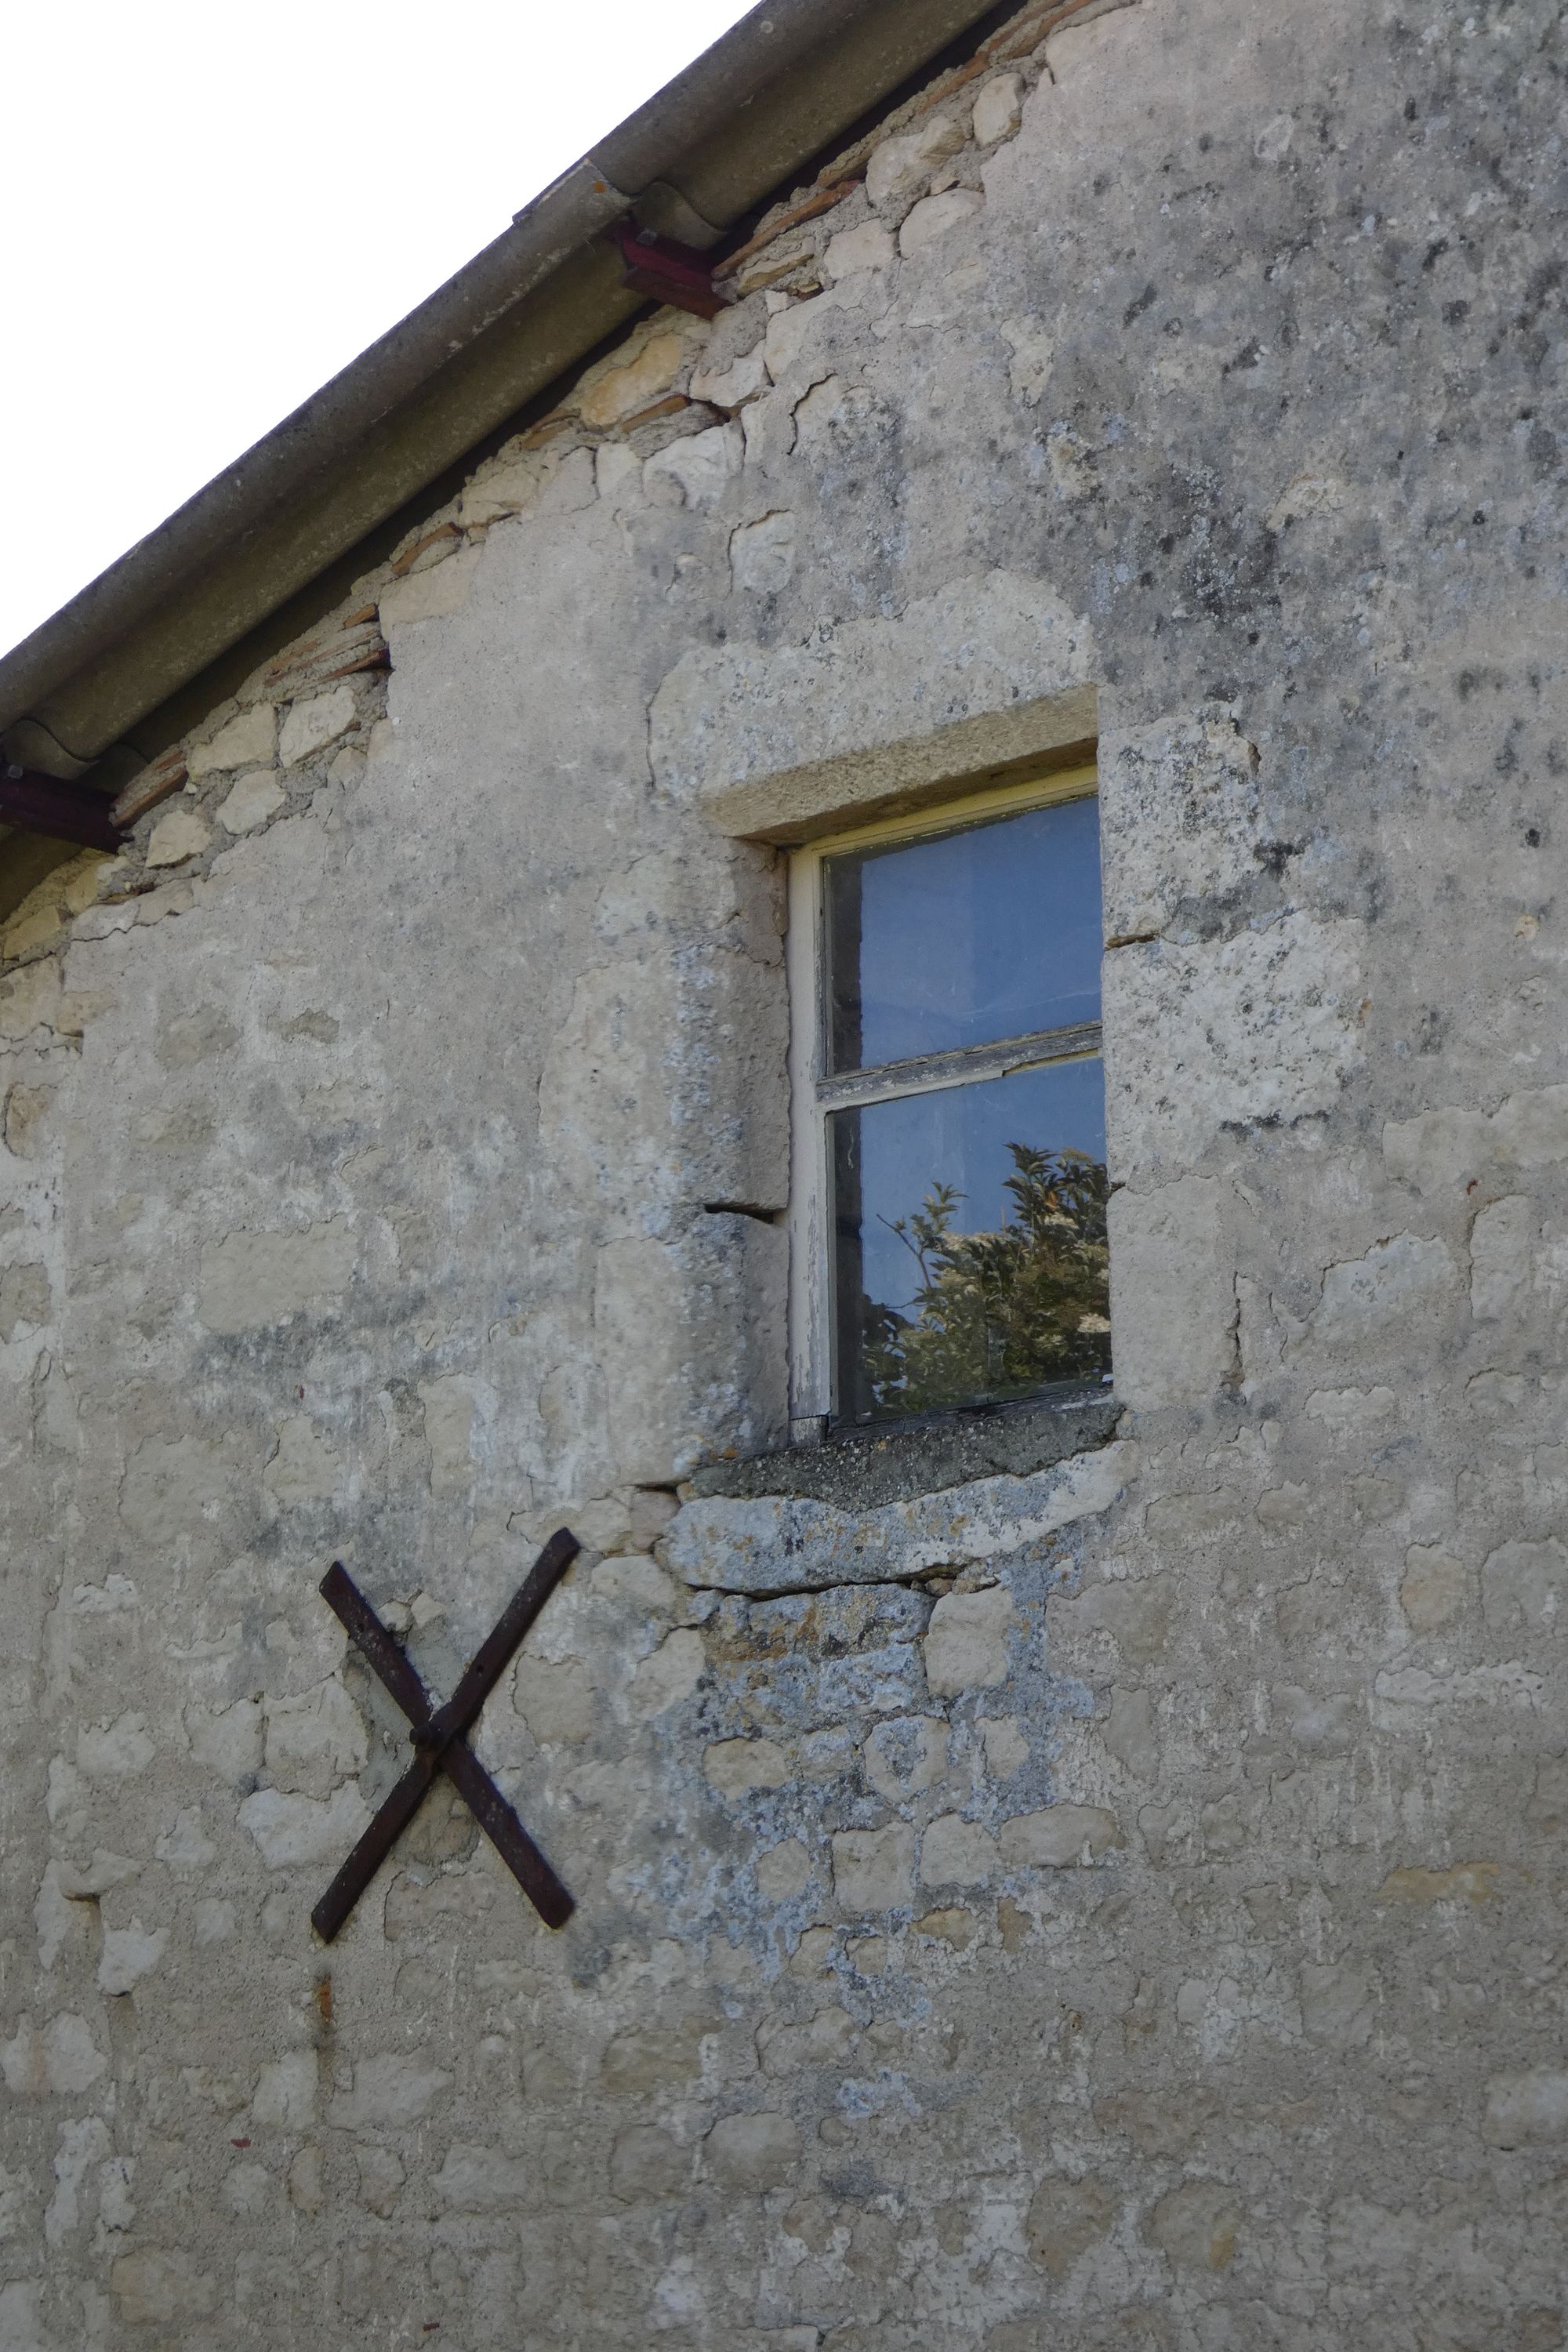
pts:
[988, 933]
[959, 1137]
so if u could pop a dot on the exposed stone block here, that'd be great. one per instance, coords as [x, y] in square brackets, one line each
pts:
[998, 109]
[752, 2152]
[29, 999]
[784, 1872]
[861, 1468]
[761, 554]
[731, 387]
[130, 1954]
[1399, 1281]
[229, 1740]
[954, 1927]
[1548, 1806]
[966, 1648]
[773, 737]
[901, 164]
[1345, 1411]
[177, 837]
[316, 1740]
[1467, 1882]
[736, 1767]
[1197, 2226]
[255, 801]
[556, 1700]
[419, 1910]
[307, 2181]
[59, 2060]
[1524, 1586]
[1184, 824]
[670, 1675]
[290, 1831]
[1007, 1747]
[1059, 1837]
[430, 595]
[251, 1280]
[653, 2058]
[388, 2091]
[505, 490]
[647, 2166]
[116, 1751]
[1129, 1732]
[956, 1852]
[697, 469]
[1439, 1151]
[312, 725]
[1329, 1723]
[483, 2181]
[305, 1468]
[1136, 1614]
[935, 215]
[1339, 2004]
[1066, 2218]
[24, 1300]
[621, 389]
[246, 741]
[873, 1870]
[1509, 1684]
[869, 246]
[162, 2290]
[1502, 1251]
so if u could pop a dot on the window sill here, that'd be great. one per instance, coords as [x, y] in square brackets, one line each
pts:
[859, 1468]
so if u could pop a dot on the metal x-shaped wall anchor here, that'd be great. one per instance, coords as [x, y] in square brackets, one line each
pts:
[439, 1745]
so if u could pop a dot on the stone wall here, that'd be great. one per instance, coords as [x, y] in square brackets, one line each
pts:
[1109, 1896]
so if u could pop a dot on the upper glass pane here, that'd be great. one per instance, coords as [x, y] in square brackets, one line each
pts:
[960, 938]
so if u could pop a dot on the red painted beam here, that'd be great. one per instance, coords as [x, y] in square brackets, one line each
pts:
[64, 812]
[677, 274]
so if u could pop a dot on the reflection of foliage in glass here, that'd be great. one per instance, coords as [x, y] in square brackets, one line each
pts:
[997, 1314]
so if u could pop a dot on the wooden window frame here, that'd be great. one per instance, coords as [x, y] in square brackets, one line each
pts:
[813, 1094]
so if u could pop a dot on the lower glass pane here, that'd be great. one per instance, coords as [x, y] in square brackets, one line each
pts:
[970, 1253]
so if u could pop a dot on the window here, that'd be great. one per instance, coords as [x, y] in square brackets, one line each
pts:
[948, 1243]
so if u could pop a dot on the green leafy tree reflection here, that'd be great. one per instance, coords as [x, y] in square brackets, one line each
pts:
[995, 1315]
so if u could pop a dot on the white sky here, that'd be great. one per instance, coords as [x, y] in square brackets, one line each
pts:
[210, 207]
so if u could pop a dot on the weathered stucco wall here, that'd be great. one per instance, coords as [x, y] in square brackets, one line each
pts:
[1115, 1897]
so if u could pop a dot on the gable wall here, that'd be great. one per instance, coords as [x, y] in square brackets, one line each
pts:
[1141, 1931]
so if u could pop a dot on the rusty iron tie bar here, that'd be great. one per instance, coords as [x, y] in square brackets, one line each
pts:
[439, 1743]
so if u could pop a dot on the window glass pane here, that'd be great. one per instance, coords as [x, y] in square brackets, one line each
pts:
[962, 937]
[970, 1262]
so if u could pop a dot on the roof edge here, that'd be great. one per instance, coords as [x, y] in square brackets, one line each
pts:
[762, 102]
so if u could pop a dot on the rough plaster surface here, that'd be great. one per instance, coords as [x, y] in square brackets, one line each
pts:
[1121, 1903]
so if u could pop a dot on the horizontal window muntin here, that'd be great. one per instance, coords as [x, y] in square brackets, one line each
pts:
[928, 1073]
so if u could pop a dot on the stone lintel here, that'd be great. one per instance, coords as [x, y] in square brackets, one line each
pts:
[852, 788]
